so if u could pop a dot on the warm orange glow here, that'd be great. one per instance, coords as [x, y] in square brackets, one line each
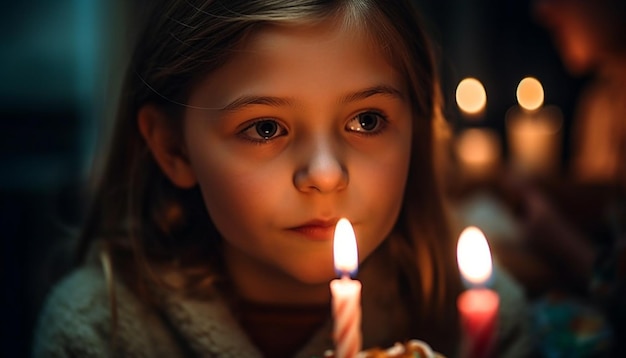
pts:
[478, 146]
[471, 96]
[535, 140]
[473, 256]
[344, 246]
[530, 93]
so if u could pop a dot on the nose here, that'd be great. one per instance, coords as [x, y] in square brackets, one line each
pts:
[322, 170]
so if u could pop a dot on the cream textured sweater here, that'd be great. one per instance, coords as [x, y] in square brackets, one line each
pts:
[76, 322]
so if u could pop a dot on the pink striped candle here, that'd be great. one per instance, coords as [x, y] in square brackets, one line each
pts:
[346, 293]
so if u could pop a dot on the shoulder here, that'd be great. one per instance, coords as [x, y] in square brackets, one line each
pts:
[76, 319]
[514, 333]
[73, 312]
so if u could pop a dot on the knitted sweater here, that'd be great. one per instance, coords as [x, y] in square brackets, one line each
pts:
[76, 322]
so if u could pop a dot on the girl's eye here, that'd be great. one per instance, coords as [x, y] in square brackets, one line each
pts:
[367, 123]
[263, 130]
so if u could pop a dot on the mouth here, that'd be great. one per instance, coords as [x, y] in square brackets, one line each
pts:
[316, 230]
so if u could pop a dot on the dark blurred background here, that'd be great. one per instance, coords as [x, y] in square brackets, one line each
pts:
[60, 67]
[499, 43]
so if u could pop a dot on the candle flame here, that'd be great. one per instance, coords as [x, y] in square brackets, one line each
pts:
[530, 93]
[344, 246]
[473, 256]
[471, 96]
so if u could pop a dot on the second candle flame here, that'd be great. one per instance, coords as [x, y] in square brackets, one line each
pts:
[473, 256]
[344, 248]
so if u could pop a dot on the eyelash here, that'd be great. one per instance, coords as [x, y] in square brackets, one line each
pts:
[381, 124]
[280, 131]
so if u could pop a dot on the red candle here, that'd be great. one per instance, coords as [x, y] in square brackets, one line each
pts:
[478, 306]
[346, 293]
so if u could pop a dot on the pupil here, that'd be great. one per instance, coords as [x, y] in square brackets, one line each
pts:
[266, 129]
[368, 121]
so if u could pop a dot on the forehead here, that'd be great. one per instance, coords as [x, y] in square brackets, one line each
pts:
[292, 58]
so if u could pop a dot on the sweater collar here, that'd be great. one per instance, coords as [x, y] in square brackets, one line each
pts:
[209, 328]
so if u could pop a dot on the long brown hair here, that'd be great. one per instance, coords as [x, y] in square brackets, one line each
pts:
[145, 222]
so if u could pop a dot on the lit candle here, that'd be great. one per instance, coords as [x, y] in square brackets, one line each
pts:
[478, 306]
[346, 293]
[471, 98]
[477, 149]
[533, 130]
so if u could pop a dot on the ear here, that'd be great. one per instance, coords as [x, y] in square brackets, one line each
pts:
[166, 147]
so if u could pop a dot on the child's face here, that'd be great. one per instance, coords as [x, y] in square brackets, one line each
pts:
[315, 125]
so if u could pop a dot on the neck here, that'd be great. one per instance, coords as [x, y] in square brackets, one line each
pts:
[281, 331]
[257, 282]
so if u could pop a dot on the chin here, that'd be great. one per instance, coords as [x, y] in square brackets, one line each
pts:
[314, 275]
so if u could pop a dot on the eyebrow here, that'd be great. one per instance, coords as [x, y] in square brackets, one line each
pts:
[372, 91]
[282, 101]
[251, 100]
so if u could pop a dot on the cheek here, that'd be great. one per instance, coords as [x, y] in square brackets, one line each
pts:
[393, 172]
[379, 194]
[223, 185]
[231, 197]
[386, 180]
[242, 195]
[392, 181]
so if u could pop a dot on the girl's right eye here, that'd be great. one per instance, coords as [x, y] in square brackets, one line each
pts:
[263, 130]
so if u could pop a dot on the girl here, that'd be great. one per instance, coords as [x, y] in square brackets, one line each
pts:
[246, 129]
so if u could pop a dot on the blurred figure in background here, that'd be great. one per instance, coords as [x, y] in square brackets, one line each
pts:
[591, 39]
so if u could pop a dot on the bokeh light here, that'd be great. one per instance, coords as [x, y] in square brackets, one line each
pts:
[530, 93]
[471, 96]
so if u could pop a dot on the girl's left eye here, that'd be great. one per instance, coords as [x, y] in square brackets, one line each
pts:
[367, 123]
[263, 130]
